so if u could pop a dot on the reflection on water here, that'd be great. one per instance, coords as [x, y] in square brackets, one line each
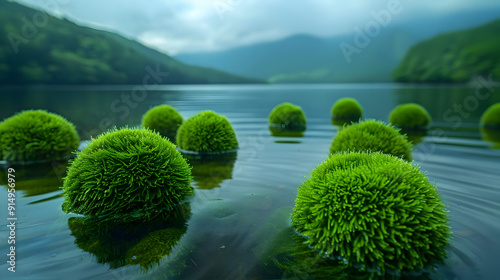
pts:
[209, 171]
[37, 179]
[415, 136]
[119, 244]
[240, 228]
[491, 135]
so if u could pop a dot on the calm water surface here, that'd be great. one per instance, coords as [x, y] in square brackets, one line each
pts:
[239, 216]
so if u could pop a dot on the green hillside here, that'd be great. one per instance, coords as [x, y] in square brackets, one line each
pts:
[453, 57]
[36, 48]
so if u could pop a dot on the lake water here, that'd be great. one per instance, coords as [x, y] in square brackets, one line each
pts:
[240, 213]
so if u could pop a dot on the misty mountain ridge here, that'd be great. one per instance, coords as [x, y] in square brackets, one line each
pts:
[306, 58]
[37, 48]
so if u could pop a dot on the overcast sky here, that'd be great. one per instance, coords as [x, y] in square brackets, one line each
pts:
[182, 26]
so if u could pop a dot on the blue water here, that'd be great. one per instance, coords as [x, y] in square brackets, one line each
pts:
[237, 216]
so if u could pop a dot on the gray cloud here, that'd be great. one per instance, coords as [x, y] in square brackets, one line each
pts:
[180, 26]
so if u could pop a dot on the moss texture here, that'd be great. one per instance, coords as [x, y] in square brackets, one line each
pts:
[410, 116]
[207, 132]
[372, 136]
[287, 117]
[491, 117]
[346, 110]
[36, 135]
[127, 174]
[372, 209]
[163, 119]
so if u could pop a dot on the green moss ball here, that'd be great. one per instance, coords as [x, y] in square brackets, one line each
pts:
[163, 119]
[128, 174]
[347, 109]
[36, 135]
[207, 132]
[372, 136]
[287, 117]
[491, 117]
[410, 116]
[372, 209]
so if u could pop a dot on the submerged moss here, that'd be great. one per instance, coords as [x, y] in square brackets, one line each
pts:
[372, 136]
[491, 117]
[127, 174]
[410, 116]
[207, 132]
[287, 117]
[163, 119]
[36, 135]
[374, 210]
[346, 110]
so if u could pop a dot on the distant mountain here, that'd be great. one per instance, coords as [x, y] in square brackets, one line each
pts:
[36, 48]
[305, 58]
[454, 57]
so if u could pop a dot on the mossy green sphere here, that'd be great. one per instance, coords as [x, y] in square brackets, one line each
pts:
[207, 132]
[491, 117]
[127, 174]
[287, 117]
[372, 136]
[372, 209]
[36, 135]
[410, 116]
[163, 119]
[347, 109]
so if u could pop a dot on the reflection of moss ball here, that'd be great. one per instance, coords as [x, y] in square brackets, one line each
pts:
[372, 136]
[491, 117]
[207, 132]
[347, 109]
[35, 135]
[287, 117]
[132, 243]
[372, 209]
[409, 115]
[163, 119]
[129, 172]
[210, 172]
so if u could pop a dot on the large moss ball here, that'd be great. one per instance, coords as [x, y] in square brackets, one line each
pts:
[128, 174]
[491, 117]
[372, 209]
[207, 132]
[36, 135]
[410, 116]
[346, 109]
[163, 119]
[287, 117]
[372, 136]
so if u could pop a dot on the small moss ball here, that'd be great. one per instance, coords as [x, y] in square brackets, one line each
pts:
[128, 174]
[372, 209]
[163, 119]
[36, 135]
[372, 136]
[287, 117]
[207, 132]
[346, 109]
[410, 116]
[491, 117]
